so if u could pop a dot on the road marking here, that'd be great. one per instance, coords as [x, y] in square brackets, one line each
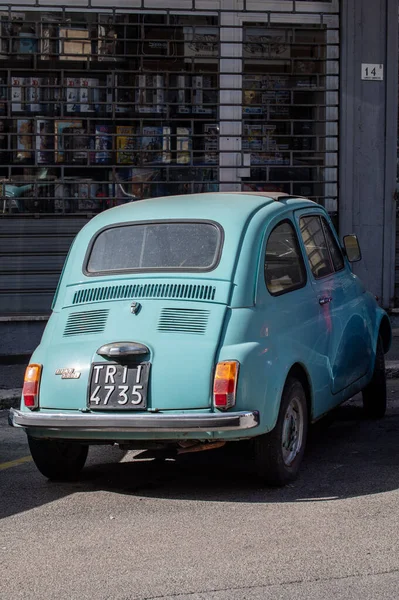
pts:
[15, 463]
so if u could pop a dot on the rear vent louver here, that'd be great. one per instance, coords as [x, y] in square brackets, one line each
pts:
[147, 290]
[183, 320]
[91, 321]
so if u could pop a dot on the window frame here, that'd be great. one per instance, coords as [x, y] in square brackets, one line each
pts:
[300, 255]
[212, 267]
[326, 225]
[322, 218]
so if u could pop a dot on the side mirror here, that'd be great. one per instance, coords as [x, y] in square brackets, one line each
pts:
[352, 248]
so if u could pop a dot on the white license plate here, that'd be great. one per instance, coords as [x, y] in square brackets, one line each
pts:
[115, 387]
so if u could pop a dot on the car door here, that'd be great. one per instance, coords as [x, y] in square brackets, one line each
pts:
[348, 340]
[292, 324]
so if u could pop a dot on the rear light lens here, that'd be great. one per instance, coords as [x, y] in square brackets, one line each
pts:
[225, 384]
[30, 391]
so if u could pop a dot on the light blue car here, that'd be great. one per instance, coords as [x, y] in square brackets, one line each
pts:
[186, 322]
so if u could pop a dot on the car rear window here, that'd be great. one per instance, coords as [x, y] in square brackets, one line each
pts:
[161, 246]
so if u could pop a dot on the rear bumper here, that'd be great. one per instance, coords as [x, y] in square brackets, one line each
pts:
[130, 423]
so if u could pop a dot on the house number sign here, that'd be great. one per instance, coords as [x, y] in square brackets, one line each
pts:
[371, 72]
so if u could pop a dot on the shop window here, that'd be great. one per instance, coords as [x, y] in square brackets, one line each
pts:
[290, 110]
[99, 109]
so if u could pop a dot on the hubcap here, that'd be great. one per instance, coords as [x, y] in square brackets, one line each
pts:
[292, 431]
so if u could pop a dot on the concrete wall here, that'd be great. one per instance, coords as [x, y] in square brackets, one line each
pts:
[368, 137]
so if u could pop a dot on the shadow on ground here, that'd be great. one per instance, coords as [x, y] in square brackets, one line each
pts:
[351, 457]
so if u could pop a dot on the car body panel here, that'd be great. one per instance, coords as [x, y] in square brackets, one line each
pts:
[268, 335]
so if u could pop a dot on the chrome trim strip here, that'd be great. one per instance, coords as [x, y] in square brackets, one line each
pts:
[122, 349]
[130, 423]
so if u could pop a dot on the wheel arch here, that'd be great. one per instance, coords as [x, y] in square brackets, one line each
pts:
[385, 331]
[298, 370]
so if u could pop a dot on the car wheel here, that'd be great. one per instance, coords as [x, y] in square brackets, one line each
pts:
[278, 454]
[375, 393]
[58, 460]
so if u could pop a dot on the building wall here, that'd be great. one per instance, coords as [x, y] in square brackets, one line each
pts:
[367, 162]
[368, 139]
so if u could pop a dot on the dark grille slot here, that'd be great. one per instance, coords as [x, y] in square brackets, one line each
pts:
[183, 320]
[92, 321]
[147, 290]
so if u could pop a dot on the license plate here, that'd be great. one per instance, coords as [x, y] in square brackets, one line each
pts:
[114, 386]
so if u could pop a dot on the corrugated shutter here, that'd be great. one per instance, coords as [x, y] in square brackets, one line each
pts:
[32, 253]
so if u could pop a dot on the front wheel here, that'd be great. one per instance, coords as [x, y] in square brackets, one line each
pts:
[278, 454]
[375, 393]
[58, 460]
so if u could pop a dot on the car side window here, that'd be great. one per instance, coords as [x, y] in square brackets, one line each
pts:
[335, 250]
[284, 266]
[316, 246]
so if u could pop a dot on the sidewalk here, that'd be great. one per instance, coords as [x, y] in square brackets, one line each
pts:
[11, 376]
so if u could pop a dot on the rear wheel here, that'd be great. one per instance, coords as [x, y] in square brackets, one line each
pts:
[278, 454]
[58, 460]
[375, 393]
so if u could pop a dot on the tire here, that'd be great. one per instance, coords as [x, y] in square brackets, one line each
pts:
[375, 393]
[58, 460]
[276, 463]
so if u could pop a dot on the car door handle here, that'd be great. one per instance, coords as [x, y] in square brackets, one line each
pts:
[325, 300]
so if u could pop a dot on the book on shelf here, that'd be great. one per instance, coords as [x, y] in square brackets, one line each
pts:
[183, 94]
[74, 43]
[201, 96]
[126, 146]
[33, 94]
[78, 145]
[44, 141]
[51, 94]
[183, 145]
[89, 94]
[107, 38]
[11, 24]
[155, 145]
[72, 92]
[17, 94]
[24, 139]
[103, 144]
[109, 94]
[123, 92]
[62, 129]
[211, 143]
[150, 94]
[87, 195]
[48, 40]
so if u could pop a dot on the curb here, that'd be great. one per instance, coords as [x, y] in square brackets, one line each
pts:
[12, 398]
[392, 369]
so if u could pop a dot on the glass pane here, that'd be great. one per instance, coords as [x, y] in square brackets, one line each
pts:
[316, 246]
[161, 246]
[335, 251]
[284, 269]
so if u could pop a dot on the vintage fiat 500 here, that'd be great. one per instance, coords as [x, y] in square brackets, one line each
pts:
[185, 322]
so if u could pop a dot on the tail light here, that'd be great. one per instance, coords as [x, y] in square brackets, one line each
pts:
[225, 384]
[30, 391]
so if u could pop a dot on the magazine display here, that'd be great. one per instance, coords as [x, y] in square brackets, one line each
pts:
[44, 141]
[155, 145]
[103, 144]
[126, 145]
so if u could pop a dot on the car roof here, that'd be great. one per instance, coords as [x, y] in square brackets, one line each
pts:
[213, 206]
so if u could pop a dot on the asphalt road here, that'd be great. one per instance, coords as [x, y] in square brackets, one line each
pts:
[203, 528]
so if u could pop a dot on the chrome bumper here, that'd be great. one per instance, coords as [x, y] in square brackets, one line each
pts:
[140, 423]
